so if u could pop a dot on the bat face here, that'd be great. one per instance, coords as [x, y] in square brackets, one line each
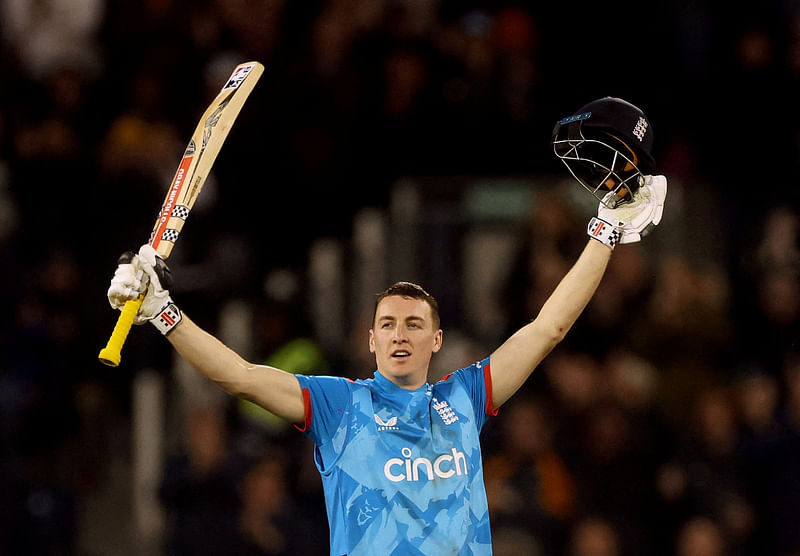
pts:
[200, 154]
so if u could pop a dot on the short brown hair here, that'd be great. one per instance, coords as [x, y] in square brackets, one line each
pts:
[413, 291]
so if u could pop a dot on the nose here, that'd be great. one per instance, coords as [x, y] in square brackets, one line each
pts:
[398, 335]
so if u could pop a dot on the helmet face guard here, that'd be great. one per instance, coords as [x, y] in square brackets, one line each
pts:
[598, 153]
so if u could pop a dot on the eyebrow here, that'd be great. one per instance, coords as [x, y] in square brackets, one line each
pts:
[408, 319]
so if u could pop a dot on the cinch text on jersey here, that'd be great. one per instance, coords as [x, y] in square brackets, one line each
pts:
[407, 469]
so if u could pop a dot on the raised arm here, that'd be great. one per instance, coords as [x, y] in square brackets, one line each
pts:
[273, 389]
[514, 361]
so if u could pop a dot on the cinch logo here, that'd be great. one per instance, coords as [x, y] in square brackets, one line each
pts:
[389, 425]
[640, 129]
[408, 469]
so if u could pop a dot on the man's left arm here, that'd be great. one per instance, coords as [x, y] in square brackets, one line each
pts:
[512, 363]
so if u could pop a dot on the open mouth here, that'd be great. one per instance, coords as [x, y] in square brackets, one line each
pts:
[400, 354]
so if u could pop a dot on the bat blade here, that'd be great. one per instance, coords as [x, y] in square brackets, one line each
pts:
[200, 154]
[190, 176]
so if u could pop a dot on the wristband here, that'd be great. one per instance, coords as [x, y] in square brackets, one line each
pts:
[168, 318]
[604, 232]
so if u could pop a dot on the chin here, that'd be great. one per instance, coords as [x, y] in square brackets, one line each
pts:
[399, 371]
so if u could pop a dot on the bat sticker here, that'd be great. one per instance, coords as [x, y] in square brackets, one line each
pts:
[190, 149]
[212, 119]
[180, 211]
[170, 235]
[237, 77]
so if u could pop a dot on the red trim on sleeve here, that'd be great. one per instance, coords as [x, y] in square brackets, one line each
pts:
[487, 381]
[308, 410]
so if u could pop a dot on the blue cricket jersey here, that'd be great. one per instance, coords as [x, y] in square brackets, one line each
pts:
[402, 469]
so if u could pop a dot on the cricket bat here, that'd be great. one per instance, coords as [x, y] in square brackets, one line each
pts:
[194, 167]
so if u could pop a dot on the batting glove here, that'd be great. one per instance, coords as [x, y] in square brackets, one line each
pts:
[630, 222]
[157, 305]
[145, 274]
[129, 281]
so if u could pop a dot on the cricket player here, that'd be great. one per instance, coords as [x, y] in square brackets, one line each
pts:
[400, 458]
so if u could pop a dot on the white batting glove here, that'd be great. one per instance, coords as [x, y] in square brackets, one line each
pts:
[632, 221]
[157, 305]
[129, 281]
[145, 274]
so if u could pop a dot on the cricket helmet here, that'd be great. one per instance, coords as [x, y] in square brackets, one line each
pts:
[607, 146]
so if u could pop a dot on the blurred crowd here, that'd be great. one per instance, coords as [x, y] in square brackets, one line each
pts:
[669, 421]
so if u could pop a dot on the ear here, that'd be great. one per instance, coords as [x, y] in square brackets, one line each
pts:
[371, 341]
[437, 340]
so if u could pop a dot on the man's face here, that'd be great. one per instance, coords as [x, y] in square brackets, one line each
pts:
[403, 340]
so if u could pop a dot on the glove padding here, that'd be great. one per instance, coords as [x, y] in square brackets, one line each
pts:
[128, 283]
[637, 218]
[143, 274]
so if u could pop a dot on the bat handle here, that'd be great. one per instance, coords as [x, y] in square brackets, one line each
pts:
[112, 353]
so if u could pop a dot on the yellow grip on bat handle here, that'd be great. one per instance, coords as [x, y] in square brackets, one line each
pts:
[112, 353]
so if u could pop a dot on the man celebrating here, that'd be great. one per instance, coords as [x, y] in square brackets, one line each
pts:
[400, 458]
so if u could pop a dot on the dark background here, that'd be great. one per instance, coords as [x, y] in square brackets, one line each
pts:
[97, 100]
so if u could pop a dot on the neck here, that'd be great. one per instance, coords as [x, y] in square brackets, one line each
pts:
[405, 382]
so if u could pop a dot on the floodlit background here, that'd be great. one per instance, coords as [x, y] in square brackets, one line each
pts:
[389, 140]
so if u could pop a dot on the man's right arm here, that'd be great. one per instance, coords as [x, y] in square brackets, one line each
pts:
[273, 389]
[147, 274]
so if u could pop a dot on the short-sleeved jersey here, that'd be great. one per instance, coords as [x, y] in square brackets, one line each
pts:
[402, 469]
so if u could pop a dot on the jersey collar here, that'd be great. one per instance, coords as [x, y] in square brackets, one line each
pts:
[388, 386]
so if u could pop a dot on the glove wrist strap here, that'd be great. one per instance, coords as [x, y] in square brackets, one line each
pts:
[604, 232]
[168, 318]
